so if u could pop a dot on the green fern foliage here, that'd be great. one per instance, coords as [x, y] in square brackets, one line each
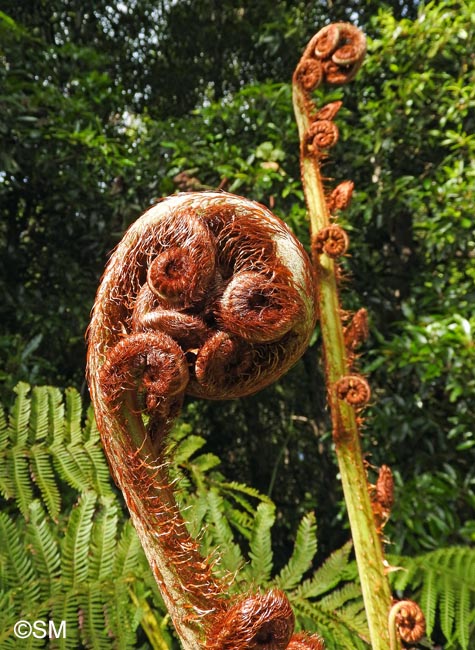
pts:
[443, 582]
[330, 602]
[301, 560]
[260, 546]
[66, 551]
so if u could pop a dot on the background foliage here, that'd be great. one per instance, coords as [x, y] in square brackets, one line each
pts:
[108, 106]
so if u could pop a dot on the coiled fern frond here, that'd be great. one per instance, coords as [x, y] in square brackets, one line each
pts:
[444, 583]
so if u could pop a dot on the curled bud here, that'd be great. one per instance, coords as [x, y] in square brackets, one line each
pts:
[332, 240]
[259, 622]
[309, 74]
[354, 389]
[336, 52]
[326, 41]
[410, 620]
[329, 111]
[340, 197]
[322, 134]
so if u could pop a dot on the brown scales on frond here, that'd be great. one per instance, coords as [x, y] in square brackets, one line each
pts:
[356, 332]
[211, 295]
[382, 497]
[258, 622]
[303, 641]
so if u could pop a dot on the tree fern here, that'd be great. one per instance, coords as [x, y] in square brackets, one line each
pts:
[16, 561]
[333, 603]
[128, 551]
[241, 520]
[66, 608]
[187, 447]
[91, 603]
[331, 625]
[444, 583]
[38, 423]
[205, 462]
[56, 423]
[233, 489]
[3, 428]
[122, 619]
[465, 620]
[20, 478]
[68, 465]
[73, 429]
[327, 602]
[67, 554]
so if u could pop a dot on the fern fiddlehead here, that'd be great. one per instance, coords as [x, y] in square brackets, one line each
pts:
[208, 295]
[407, 618]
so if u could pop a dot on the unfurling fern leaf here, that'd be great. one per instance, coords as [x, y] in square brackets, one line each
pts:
[444, 583]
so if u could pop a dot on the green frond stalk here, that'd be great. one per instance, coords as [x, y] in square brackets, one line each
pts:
[367, 544]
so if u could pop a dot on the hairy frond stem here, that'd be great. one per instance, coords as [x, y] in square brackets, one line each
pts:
[209, 295]
[333, 56]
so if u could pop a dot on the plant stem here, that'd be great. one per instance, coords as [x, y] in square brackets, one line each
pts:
[367, 544]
